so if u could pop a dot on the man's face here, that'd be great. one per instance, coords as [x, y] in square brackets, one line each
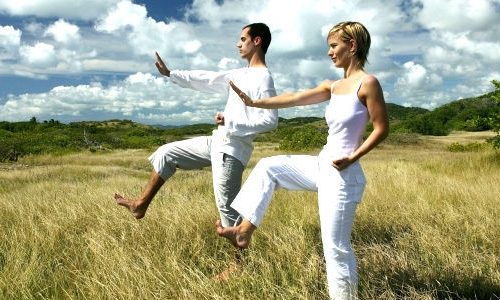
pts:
[246, 45]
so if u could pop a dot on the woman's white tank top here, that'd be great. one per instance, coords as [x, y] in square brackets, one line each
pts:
[346, 117]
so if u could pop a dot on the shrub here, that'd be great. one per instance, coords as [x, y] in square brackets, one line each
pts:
[470, 147]
[302, 138]
[402, 139]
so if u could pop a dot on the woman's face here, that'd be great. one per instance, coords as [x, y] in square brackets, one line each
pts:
[339, 51]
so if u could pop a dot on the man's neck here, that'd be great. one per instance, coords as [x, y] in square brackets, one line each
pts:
[257, 60]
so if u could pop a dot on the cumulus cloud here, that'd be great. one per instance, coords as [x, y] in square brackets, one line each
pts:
[424, 52]
[215, 14]
[145, 34]
[227, 63]
[123, 15]
[140, 96]
[464, 46]
[40, 55]
[465, 43]
[10, 39]
[458, 15]
[109, 65]
[34, 28]
[415, 81]
[63, 32]
[74, 9]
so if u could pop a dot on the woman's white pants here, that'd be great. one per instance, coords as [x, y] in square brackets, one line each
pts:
[338, 195]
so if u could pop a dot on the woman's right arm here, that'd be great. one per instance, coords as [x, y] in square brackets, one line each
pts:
[311, 96]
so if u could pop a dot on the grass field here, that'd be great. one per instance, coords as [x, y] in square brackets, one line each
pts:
[427, 228]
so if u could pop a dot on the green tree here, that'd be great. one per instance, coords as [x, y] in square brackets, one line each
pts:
[495, 120]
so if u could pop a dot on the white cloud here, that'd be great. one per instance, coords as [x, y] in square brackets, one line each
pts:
[415, 81]
[424, 53]
[458, 15]
[173, 38]
[74, 9]
[124, 14]
[462, 47]
[9, 36]
[440, 58]
[227, 63]
[63, 32]
[144, 79]
[464, 36]
[465, 43]
[202, 62]
[311, 66]
[216, 15]
[140, 96]
[109, 65]
[10, 39]
[34, 28]
[191, 46]
[40, 55]
[144, 34]
[415, 75]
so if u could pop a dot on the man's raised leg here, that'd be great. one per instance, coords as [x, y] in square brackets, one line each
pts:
[187, 154]
[138, 207]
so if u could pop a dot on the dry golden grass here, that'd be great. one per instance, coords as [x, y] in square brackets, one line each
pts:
[427, 228]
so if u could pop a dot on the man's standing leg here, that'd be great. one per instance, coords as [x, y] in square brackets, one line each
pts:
[227, 173]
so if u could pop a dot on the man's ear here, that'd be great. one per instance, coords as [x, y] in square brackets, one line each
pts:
[257, 41]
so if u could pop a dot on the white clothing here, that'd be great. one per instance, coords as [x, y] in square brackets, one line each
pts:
[292, 172]
[196, 153]
[339, 192]
[187, 154]
[241, 123]
[346, 117]
[230, 146]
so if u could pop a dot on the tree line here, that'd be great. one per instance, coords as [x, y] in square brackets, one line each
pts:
[306, 133]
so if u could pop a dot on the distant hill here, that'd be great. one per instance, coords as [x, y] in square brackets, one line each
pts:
[34, 137]
[471, 114]
[398, 112]
[298, 121]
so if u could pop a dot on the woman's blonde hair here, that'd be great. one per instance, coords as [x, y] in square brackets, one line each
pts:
[347, 31]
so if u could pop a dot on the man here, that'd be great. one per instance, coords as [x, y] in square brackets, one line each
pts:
[229, 148]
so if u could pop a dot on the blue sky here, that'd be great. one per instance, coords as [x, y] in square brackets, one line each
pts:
[94, 59]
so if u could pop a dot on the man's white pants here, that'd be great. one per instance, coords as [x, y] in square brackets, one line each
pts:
[338, 195]
[197, 153]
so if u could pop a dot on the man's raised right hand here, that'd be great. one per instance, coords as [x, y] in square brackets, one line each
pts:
[160, 65]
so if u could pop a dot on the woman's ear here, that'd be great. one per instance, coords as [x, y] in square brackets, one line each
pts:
[353, 46]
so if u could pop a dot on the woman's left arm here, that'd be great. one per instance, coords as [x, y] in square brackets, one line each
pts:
[373, 97]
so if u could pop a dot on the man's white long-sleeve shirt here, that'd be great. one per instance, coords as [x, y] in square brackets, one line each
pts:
[241, 123]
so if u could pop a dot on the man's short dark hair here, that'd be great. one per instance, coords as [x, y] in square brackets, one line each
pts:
[260, 29]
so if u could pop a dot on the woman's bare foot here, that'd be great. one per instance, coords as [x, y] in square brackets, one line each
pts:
[239, 236]
[135, 209]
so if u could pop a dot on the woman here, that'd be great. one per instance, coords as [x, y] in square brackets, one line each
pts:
[336, 173]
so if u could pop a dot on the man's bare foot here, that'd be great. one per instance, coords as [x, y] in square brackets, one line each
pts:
[239, 236]
[136, 210]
